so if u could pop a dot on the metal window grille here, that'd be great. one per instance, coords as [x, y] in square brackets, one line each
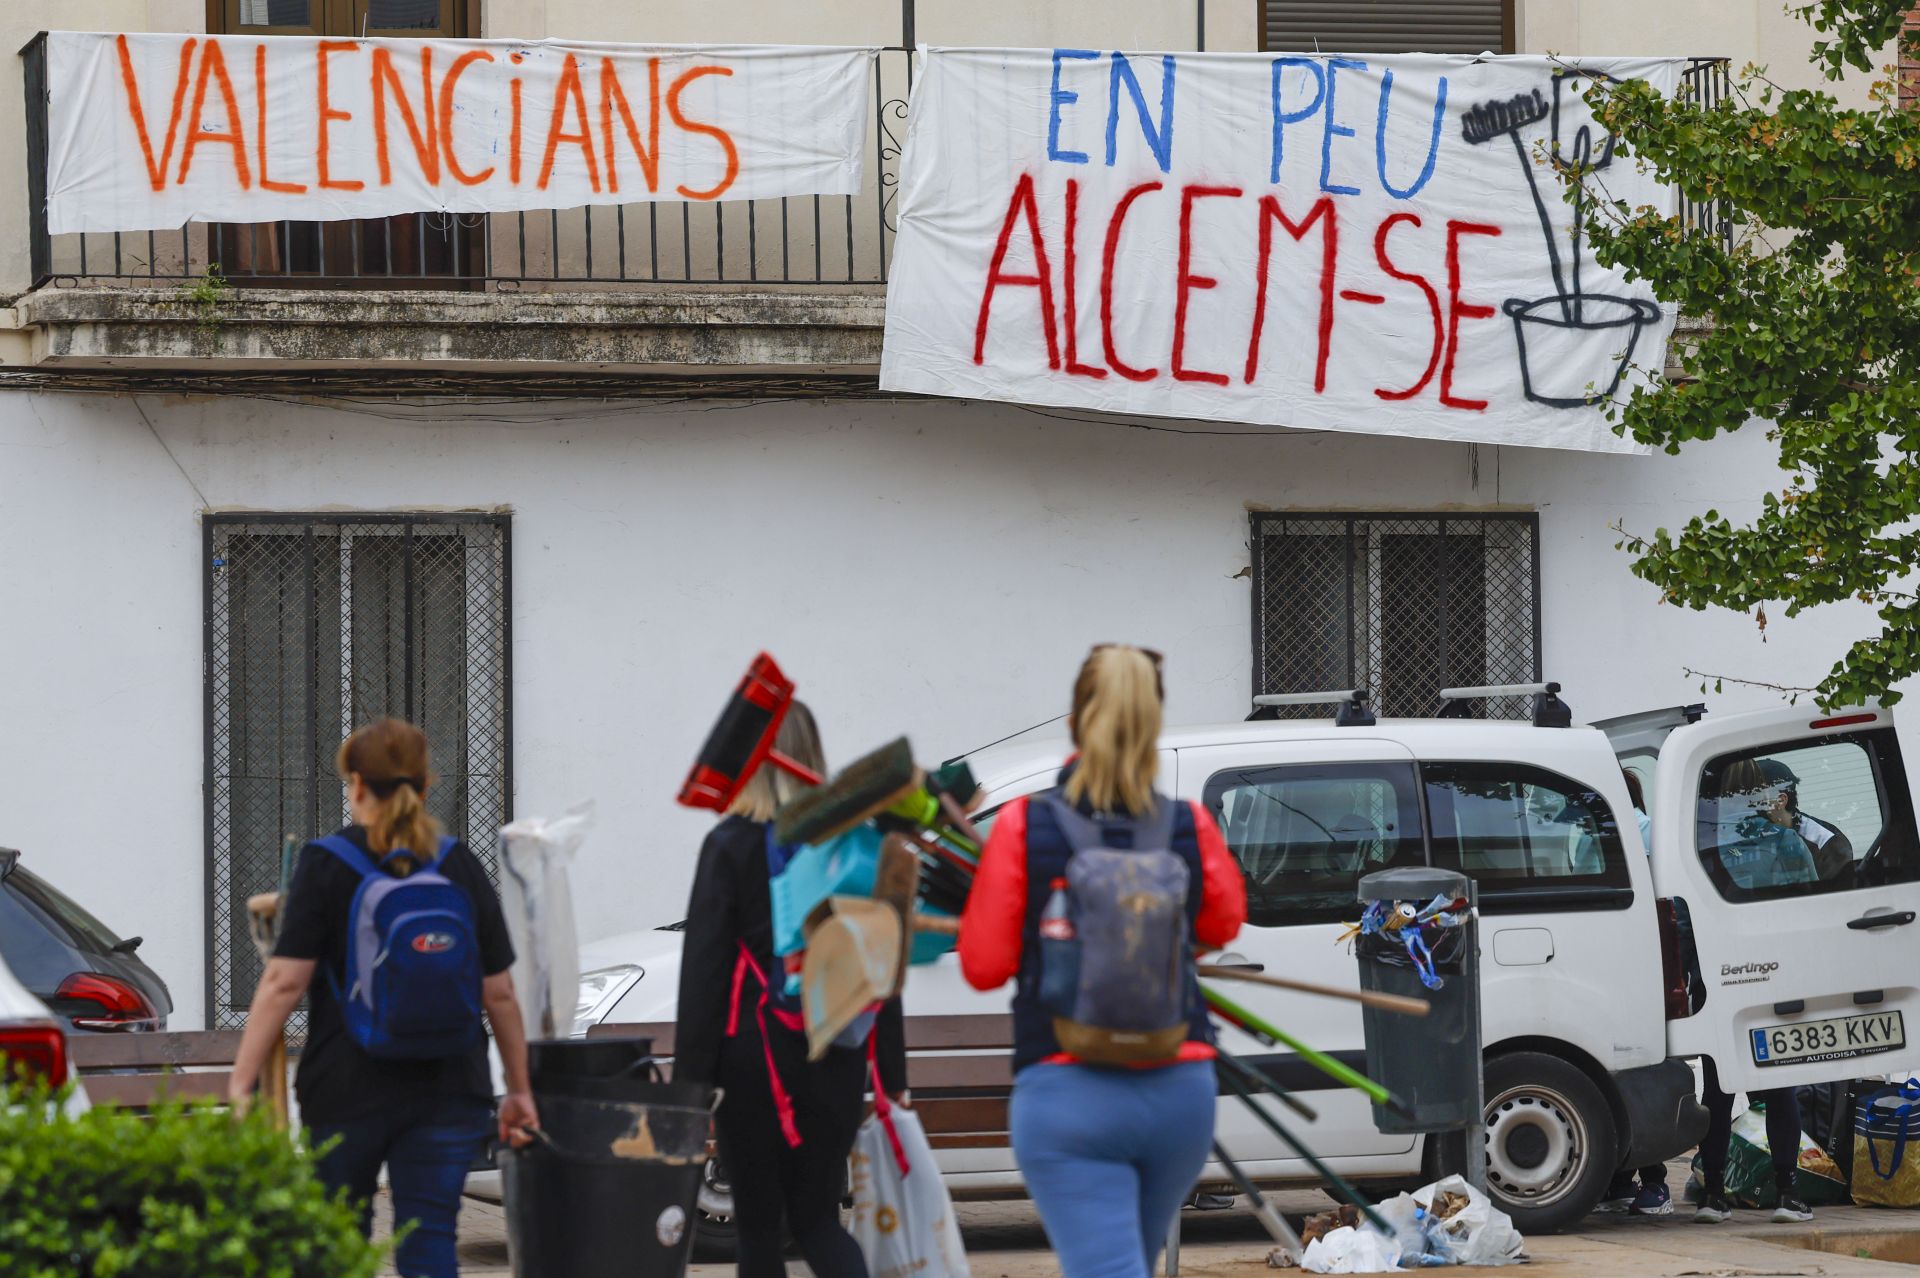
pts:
[316, 624]
[1388, 26]
[1401, 604]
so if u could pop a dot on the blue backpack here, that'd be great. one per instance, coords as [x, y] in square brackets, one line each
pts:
[412, 985]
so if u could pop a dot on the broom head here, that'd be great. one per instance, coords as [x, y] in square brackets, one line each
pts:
[742, 739]
[861, 790]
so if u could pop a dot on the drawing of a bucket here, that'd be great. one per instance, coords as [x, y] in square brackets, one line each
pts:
[1575, 349]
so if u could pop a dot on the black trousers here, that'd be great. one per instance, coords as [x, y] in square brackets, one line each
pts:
[1783, 1131]
[774, 1182]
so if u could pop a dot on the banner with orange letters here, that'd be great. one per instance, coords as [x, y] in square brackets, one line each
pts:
[152, 131]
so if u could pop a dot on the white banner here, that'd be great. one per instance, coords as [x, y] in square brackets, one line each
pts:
[1353, 243]
[151, 131]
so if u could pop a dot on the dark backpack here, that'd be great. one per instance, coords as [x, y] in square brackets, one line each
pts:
[1120, 991]
[411, 990]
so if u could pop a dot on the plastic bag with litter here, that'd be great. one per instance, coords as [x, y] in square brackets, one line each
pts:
[1351, 1251]
[538, 905]
[1446, 1223]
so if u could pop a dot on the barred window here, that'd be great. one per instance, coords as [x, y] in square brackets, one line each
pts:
[1387, 26]
[314, 625]
[1401, 604]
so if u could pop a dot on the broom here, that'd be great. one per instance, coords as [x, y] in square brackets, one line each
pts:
[742, 740]
[889, 789]
[263, 925]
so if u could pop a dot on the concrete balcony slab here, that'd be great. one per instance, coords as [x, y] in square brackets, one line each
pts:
[686, 331]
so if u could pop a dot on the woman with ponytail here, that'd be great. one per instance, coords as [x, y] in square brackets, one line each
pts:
[425, 1118]
[785, 1124]
[1110, 1150]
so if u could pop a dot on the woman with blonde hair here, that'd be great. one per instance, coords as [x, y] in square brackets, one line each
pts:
[423, 1108]
[1110, 1139]
[785, 1125]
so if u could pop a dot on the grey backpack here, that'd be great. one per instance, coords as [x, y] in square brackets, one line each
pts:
[1119, 989]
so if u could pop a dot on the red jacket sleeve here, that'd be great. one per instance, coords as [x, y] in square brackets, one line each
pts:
[1223, 889]
[996, 913]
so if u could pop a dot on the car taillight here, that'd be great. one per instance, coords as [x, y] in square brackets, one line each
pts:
[122, 1007]
[39, 1051]
[1673, 963]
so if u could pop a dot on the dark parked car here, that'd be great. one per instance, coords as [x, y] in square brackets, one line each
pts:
[71, 961]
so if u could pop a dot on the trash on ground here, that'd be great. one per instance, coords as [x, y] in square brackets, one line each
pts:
[1445, 1223]
[1749, 1176]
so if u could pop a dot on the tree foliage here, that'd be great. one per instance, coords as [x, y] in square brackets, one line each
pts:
[1812, 327]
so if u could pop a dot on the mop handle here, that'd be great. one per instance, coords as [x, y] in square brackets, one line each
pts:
[1320, 1060]
[1366, 998]
[1236, 1073]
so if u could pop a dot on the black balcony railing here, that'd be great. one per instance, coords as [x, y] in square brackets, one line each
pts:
[813, 240]
[810, 240]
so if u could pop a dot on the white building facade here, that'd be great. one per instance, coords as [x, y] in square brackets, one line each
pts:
[550, 507]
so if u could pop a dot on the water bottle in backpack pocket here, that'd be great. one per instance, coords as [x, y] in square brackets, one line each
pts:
[1115, 949]
[411, 989]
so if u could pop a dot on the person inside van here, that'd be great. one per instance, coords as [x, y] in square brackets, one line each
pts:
[1758, 847]
[785, 1125]
[1832, 850]
[1754, 835]
[416, 1099]
[1650, 1197]
[1111, 1123]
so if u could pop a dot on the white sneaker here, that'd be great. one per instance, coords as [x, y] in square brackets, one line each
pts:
[1792, 1211]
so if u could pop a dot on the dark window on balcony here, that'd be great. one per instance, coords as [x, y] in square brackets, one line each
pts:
[1401, 604]
[1387, 26]
[420, 250]
[316, 624]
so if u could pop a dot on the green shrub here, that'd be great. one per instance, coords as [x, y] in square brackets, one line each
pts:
[185, 1192]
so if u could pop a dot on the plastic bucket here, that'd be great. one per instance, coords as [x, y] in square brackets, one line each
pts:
[608, 1188]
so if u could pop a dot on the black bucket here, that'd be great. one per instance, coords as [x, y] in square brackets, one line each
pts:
[607, 1190]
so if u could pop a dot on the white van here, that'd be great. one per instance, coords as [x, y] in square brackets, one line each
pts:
[1587, 1015]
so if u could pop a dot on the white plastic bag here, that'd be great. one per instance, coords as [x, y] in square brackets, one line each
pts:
[902, 1217]
[1351, 1251]
[1477, 1234]
[534, 895]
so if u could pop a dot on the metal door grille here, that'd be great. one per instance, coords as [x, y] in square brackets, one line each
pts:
[316, 624]
[1401, 604]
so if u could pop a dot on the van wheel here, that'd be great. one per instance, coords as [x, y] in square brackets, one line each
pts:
[713, 1232]
[1550, 1141]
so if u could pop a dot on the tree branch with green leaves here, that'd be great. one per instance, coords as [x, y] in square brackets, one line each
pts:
[1811, 333]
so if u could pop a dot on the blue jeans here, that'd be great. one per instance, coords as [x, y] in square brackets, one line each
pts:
[427, 1151]
[1109, 1155]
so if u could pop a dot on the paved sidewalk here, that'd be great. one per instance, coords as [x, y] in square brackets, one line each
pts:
[1005, 1240]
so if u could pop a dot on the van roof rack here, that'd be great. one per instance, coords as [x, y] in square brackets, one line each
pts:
[1549, 711]
[1353, 711]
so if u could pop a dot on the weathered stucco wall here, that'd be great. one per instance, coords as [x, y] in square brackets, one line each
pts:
[937, 569]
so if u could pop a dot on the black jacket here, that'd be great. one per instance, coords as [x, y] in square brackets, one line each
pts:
[731, 903]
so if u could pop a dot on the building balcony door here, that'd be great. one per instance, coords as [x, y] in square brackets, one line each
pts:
[412, 250]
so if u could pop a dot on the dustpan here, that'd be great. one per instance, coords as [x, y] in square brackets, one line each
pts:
[844, 865]
[853, 961]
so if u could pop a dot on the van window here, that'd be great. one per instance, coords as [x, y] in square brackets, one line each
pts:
[1532, 839]
[1304, 835]
[1807, 817]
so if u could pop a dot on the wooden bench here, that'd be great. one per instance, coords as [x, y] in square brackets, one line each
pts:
[135, 1070]
[960, 1069]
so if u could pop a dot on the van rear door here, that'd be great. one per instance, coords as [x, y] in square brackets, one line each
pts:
[1636, 739]
[1790, 835]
